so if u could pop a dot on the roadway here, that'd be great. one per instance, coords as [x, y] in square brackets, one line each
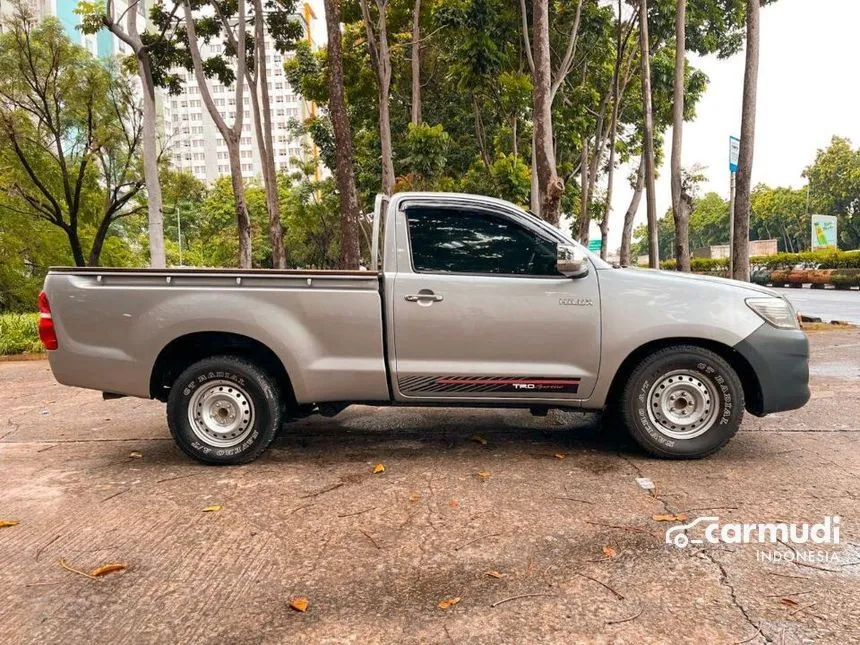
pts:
[827, 304]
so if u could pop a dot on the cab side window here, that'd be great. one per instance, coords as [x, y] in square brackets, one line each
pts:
[454, 240]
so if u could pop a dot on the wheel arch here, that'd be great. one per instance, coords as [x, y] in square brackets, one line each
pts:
[190, 348]
[745, 371]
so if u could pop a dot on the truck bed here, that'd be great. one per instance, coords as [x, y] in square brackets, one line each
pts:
[324, 326]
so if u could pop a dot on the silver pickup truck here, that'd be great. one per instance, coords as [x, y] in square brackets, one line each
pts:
[477, 303]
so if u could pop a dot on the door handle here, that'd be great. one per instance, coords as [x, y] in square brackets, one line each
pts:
[424, 296]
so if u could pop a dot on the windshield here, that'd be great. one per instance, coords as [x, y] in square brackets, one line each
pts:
[563, 237]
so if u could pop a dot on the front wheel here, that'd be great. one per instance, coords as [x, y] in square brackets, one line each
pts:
[224, 410]
[683, 402]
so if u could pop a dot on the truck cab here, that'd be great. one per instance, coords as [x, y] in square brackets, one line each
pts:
[477, 307]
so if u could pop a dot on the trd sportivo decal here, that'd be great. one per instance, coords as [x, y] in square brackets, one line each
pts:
[483, 384]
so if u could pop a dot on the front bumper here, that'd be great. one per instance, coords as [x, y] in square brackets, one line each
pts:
[780, 360]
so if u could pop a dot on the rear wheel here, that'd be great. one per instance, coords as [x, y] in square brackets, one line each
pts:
[224, 410]
[683, 402]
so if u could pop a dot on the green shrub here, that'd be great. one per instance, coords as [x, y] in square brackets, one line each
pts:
[19, 334]
[809, 259]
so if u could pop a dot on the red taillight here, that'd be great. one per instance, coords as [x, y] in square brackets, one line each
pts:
[47, 333]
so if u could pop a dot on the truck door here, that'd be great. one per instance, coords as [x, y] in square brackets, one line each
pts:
[481, 313]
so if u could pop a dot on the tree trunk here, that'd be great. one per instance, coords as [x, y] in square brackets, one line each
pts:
[627, 231]
[266, 144]
[75, 244]
[243, 221]
[377, 43]
[257, 118]
[680, 212]
[99, 239]
[416, 63]
[155, 213]
[550, 185]
[594, 169]
[648, 114]
[155, 210]
[230, 135]
[385, 131]
[741, 256]
[582, 231]
[613, 135]
[479, 133]
[344, 171]
[535, 190]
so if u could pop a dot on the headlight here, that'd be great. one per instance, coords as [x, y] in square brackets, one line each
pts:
[775, 311]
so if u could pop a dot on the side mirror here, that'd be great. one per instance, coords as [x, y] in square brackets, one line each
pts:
[570, 261]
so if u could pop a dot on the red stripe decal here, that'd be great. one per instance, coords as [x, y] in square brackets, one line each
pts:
[495, 381]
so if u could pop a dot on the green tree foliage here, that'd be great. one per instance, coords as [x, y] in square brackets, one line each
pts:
[426, 149]
[834, 180]
[777, 213]
[308, 208]
[69, 138]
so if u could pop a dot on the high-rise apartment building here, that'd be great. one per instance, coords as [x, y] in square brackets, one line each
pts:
[188, 132]
[194, 141]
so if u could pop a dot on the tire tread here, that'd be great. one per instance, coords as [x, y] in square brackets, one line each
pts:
[631, 388]
[222, 362]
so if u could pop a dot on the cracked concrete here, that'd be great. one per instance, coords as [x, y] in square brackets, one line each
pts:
[375, 554]
[726, 582]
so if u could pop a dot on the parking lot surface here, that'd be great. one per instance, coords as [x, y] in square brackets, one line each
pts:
[537, 525]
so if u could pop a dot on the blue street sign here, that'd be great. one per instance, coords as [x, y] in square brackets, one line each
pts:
[734, 153]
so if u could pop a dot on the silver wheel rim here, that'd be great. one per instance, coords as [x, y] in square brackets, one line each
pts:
[683, 404]
[221, 414]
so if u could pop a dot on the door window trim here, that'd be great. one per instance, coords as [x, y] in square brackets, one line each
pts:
[508, 216]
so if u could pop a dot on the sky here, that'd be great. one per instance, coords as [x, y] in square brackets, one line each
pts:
[809, 91]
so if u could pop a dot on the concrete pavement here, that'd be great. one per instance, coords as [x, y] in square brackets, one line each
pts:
[537, 525]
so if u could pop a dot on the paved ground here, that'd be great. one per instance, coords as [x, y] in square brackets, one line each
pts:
[827, 304]
[376, 554]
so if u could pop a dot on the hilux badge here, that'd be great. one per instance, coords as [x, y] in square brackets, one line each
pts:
[576, 302]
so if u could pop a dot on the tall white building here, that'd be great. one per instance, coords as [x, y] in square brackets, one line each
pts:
[194, 141]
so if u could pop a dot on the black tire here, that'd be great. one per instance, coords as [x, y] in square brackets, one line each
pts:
[697, 374]
[251, 410]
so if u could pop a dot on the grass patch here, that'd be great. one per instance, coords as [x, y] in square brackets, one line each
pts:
[19, 334]
[824, 326]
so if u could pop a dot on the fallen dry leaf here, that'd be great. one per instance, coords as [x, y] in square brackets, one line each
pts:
[789, 602]
[414, 497]
[479, 439]
[5, 523]
[378, 468]
[107, 568]
[214, 508]
[300, 603]
[669, 517]
[609, 552]
[484, 474]
[494, 574]
[445, 604]
[559, 455]
[134, 454]
[454, 503]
